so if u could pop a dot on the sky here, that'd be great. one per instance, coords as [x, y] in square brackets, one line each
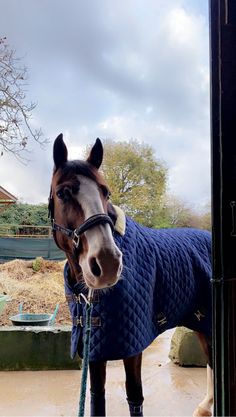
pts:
[122, 70]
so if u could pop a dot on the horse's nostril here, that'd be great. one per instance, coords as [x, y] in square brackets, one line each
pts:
[95, 268]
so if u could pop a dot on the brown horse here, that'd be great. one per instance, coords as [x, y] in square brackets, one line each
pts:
[83, 220]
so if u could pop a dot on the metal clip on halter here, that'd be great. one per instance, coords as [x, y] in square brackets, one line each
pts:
[76, 239]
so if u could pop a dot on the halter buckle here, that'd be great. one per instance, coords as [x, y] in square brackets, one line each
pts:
[76, 239]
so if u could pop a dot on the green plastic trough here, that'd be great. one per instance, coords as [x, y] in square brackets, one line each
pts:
[3, 300]
[31, 319]
[34, 319]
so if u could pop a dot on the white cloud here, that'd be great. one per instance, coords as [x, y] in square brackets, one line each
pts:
[115, 70]
[75, 152]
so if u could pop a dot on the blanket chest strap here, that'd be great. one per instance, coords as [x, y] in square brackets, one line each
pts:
[80, 300]
[80, 321]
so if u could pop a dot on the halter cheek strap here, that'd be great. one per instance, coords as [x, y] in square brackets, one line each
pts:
[91, 222]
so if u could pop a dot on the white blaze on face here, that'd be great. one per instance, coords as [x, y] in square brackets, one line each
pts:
[89, 197]
[90, 200]
[102, 262]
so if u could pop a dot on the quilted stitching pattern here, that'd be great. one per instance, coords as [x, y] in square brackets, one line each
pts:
[165, 283]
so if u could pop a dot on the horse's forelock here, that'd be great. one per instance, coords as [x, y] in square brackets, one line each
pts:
[73, 168]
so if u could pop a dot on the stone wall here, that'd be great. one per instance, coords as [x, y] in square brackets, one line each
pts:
[36, 348]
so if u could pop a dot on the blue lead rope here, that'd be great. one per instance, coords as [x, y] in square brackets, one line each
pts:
[86, 349]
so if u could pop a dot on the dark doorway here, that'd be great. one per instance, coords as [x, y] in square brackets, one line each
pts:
[223, 122]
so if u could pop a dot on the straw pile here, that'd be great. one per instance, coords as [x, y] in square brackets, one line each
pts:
[37, 284]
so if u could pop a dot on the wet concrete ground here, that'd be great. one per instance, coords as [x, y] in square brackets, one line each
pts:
[169, 390]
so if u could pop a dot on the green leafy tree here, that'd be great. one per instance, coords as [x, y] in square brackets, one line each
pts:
[136, 178]
[25, 214]
[205, 218]
[177, 213]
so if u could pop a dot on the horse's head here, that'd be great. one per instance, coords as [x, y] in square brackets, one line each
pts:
[79, 211]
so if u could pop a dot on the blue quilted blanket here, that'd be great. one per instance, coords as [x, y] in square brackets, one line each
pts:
[165, 283]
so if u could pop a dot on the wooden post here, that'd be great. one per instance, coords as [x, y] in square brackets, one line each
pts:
[223, 130]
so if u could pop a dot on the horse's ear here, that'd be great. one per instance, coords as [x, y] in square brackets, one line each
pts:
[59, 152]
[96, 154]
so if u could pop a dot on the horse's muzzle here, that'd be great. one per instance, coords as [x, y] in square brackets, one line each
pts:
[103, 269]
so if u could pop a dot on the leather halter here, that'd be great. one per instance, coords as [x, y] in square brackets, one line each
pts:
[91, 222]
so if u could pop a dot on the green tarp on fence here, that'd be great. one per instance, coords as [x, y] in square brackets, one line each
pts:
[27, 248]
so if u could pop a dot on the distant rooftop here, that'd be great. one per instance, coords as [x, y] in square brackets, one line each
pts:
[6, 197]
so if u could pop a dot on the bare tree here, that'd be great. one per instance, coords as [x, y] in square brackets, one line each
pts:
[15, 113]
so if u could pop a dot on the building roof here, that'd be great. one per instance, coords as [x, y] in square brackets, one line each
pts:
[6, 197]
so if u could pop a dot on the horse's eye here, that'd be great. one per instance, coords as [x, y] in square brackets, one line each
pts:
[60, 194]
[106, 192]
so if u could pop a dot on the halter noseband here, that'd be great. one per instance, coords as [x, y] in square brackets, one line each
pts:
[75, 234]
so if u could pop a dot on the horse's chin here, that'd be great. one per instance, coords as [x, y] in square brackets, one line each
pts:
[99, 283]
